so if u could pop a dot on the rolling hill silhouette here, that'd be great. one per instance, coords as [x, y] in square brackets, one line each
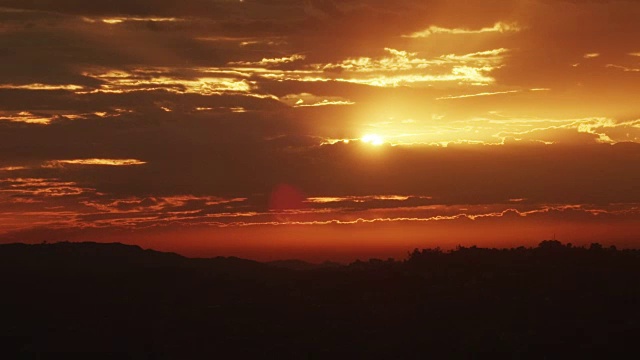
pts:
[551, 301]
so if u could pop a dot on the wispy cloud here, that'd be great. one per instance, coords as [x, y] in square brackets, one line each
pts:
[402, 68]
[119, 20]
[451, 97]
[40, 187]
[39, 86]
[147, 79]
[95, 161]
[324, 200]
[13, 168]
[623, 68]
[604, 130]
[270, 61]
[27, 117]
[587, 210]
[310, 100]
[499, 27]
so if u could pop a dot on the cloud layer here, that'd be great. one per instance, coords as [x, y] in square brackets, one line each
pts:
[135, 116]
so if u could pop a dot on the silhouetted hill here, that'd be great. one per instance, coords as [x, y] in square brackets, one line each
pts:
[88, 254]
[551, 301]
[112, 256]
[294, 264]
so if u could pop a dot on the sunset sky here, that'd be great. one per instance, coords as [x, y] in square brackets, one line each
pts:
[319, 129]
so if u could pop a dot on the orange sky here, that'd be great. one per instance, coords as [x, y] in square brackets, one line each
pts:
[319, 129]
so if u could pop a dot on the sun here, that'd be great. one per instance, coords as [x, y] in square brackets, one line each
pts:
[373, 139]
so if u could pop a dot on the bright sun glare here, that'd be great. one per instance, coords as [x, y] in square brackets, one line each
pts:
[373, 139]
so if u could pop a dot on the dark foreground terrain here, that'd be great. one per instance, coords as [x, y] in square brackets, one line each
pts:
[553, 301]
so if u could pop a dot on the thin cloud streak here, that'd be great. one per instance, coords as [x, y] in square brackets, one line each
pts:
[98, 162]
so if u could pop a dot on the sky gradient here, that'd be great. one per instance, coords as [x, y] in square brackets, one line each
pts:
[319, 129]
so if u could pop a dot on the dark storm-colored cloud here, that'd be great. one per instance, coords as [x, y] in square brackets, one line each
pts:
[216, 8]
[238, 154]
[120, 7]
[346, 34]
[65, 102]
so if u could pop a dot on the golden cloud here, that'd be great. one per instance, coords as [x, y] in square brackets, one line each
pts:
[146, 79]
[405, 68]
[27, 117]
[13, 168]
[270, 61]
[40, 187]
[623, 68]
[499, 27]
[40, 86]
[358, 199]
[604, 130]
[99, 162]
[122, 19]
[310, 100]
[452, 97]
